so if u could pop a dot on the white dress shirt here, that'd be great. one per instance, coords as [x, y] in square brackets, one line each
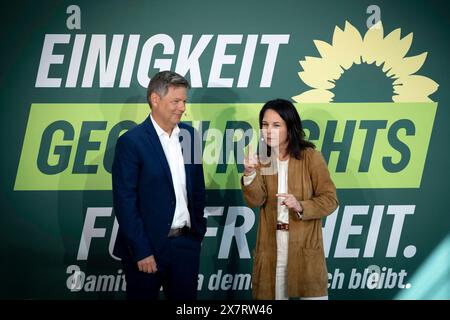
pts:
[172, 149]
[283, 211]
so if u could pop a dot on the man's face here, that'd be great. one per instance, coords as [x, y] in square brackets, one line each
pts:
[167, 110]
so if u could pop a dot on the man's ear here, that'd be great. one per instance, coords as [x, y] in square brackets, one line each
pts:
[154, 99]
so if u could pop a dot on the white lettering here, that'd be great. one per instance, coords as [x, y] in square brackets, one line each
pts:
[48, 58]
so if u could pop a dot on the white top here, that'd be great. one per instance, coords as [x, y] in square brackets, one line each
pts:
[172, 149]
[283, 211]
[282, 167]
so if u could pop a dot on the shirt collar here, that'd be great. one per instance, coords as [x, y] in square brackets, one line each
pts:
[160, 132]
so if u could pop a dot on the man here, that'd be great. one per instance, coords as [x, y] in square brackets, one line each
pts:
[159, 197]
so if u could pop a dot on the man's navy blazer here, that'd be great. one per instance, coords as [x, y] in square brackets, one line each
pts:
[143, 192]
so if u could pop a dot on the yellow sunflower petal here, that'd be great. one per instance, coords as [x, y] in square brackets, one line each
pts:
[354, 42]
[315, 95]
[402, 46]
[324, 48]
[407, 66]
[372, 44]
[414, 88]
[399, 98]
[395, 49]
[317, 72]
[347, 45]
[390, 54]
[315, 80]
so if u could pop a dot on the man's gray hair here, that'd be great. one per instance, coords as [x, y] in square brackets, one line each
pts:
[161, 82]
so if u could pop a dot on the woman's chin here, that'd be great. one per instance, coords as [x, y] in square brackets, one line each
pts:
[272, 143]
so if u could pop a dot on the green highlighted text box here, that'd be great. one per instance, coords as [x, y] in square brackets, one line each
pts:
[330, 120]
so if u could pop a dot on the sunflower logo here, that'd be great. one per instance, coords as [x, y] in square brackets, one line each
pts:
[349, 48]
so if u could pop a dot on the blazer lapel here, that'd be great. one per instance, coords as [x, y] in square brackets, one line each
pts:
[157, 147]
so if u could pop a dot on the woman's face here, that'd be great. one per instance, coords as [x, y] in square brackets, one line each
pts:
[274, 129]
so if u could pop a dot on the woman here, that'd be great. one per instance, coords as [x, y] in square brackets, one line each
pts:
[289, 258]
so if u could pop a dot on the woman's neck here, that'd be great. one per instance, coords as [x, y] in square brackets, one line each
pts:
[282, 153]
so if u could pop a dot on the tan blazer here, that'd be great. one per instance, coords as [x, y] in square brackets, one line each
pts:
[309, 181]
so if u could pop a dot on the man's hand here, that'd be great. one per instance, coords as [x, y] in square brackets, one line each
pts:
[250, 162]
[147, 265]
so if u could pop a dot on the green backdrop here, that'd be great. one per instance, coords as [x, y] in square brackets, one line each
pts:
[73, 79]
